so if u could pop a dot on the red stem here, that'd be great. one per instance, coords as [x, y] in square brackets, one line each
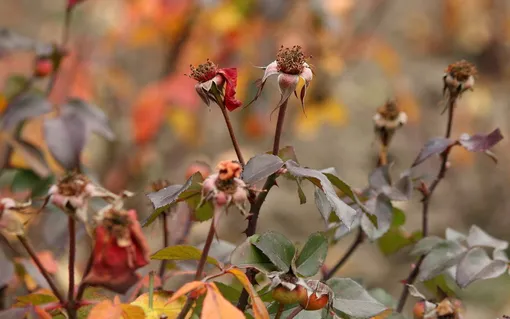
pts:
[71, 309]
[41, 268]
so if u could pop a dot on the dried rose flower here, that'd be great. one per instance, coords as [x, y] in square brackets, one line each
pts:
[459, 77]
[120, 249]
[207, 75]
[387, 120]
[290, 65]
[225, 188]
[73, 192]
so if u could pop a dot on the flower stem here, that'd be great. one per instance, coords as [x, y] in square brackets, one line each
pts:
[83, 286]
[357, 242]
[295, 312]
[224, 111]
[259, 200]
[71, 309]
[278, 315]
[200, 269]
[41, 268]
[162, 267]
[427, 195]
[58, 59]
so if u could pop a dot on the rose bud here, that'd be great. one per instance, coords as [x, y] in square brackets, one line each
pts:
[43, 67]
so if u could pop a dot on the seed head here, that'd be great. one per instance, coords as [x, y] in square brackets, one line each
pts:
[461, 70]
[389, 111]
[72, 184]
[290, 61]
[117, 223]
[204, 72]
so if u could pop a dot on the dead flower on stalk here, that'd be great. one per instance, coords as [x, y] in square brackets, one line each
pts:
[387, 120]
[290, 66]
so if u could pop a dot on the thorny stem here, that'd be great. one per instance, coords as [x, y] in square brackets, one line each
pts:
[200, 269]
[162, 267]
[259, 200]
[224, 111]
[71, 310]
[357, 242]
[39, 265]
[427, 195]
[295, 312]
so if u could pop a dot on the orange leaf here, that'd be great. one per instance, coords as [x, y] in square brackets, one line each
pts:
[41, 313]
[106, 310]
[259, 308]
[217, 307]
[185, 289]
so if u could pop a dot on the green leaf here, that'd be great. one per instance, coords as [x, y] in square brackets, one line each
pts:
[477, 237]
[394, 240]
[399, 217]
[439, 259]
[383, 297]
[277, 248]
[247, 255]
[162, 199]
[312, 256]
[229, 292]
[183, 252]
[288, 153]
[352, 299]
[425, 245]
[14, 84]
[26, 179]
[477, 265]
[35, 299]
[439, 286]
[381, 208]
[346, 213]
[301, 194]
[260, 167]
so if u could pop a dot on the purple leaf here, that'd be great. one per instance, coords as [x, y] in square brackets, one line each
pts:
[380, 177]
[11, 41]
[23, 107]
[94, 118]
[381, 208]
[480, 142]
[403, 189]
[477, 265]
[434, 146]
[65, 136]
[260, 167]
[30, 153]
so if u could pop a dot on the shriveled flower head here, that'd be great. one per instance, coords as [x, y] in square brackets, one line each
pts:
[73, 191]
[387, 119]
[215, 84]
[225, 188]
[120, 249]
[290, 65]
[459, 77]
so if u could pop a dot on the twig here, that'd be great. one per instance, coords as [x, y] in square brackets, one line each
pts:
[162, 267]
[200, 269]
[259, 200]
[357, 242]
[43, 271]
[281, 307]
[83, 286]
[71, 309]
[295, 312]
[224, 111]
[427, 195]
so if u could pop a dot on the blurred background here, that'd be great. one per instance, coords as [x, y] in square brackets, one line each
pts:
[130, 57]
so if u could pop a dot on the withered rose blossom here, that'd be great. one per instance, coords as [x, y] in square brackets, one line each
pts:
[120, 249]
[9, 221]
[73, 192]
[207, 75]
[290, 65]
[459, 77]
[387, 120]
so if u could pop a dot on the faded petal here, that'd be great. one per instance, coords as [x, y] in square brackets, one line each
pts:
[271, 69]
[11, 223]
[307, 74]
[230, 75]
[202, 94]
[287, 84]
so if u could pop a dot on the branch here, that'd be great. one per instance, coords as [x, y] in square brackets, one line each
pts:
[162, 267]
[200, 269]
[71, 310]
[357, 242]
[427, 195]
[257, 204]
[83, 286]
[295, 312]
[43, 271]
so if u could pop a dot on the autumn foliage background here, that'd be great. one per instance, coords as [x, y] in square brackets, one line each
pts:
[130, 58]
